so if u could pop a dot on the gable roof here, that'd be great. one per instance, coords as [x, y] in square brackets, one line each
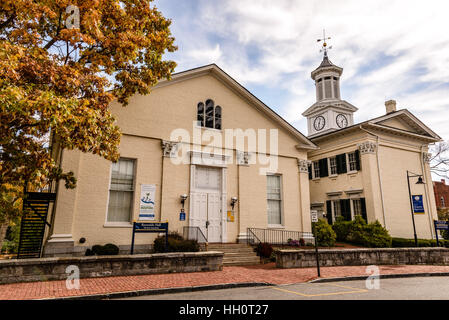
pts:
[219, 74]
[420, 130]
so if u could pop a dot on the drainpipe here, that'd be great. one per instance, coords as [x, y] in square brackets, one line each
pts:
[425, 190]
[378, 169]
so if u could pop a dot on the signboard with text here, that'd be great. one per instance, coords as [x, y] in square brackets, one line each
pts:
[147, 202]
[418, 205]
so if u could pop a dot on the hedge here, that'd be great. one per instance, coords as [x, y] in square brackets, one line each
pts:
[176, 243]
[410, 243]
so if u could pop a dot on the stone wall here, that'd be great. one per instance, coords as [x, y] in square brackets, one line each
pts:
[361, 257]
[28, 270]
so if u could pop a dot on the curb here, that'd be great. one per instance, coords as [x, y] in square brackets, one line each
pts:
[384, 276]
[146, 292]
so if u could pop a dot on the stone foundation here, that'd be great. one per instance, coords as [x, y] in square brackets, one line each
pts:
[362, 257]
[44, 269]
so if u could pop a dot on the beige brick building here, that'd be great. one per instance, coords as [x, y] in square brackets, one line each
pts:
[240, 165]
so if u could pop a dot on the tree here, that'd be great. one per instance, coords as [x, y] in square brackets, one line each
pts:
[439, 161]
[61, 65]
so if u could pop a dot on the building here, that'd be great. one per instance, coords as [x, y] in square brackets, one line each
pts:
[202, 152]
[361, 169]
[441, 191]
[201, 137]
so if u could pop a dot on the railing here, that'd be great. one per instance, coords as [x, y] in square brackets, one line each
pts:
[277, 236]
[194, 233]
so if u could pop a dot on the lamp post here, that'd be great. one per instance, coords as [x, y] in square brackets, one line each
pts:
[420, 181]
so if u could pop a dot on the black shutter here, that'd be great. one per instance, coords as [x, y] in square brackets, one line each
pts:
[341, 163]
[329, 211]
[363, 205]
[324, 172]
[345, 209]
[357, 159]
[310, 171]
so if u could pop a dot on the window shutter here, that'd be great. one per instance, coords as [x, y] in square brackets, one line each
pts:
[357, 159]
[345, 209]
[341, 163]
[310, 171]
[324, 171]
[329, 211]
[363, 205]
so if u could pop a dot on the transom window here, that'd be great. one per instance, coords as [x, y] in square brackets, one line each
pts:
[209, 115]
[352, 160]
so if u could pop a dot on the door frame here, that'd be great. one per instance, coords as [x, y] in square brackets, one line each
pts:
[205, 159]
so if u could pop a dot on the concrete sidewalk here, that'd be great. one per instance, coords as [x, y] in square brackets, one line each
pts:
[229, 277]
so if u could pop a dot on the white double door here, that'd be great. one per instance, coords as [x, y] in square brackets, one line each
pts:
[207, 202]
[207, 207]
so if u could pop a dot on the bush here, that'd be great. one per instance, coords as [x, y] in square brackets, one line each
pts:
[108, 249]
[371, 235]
[410, 243]
[176, 243]
[11, 240]
[264, 250]
[342, 228]
[324, 234]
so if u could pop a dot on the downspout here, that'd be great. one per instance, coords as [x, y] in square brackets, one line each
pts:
[427, 193]
[378, 170]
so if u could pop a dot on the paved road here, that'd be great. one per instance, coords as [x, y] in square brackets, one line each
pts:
[420, 288]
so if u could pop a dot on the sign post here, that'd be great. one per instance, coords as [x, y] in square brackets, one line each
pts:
[149, 227]
[440, 225]
[314, 218]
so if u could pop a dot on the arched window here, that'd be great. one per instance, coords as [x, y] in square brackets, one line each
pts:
[209, 115]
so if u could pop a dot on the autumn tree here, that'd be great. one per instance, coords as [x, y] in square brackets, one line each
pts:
[61, 65]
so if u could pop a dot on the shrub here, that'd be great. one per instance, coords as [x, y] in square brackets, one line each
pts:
[445, 234]
[264, 250]
[324, 234]
[176, 243]
[371, 235]
[108, 249]
[342, 228]
[410, 243]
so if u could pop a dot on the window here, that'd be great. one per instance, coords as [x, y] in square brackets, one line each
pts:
[357, 204]
[337, 209]
[333, 165]
[316, 169]
[336, 91]
[209, 115]
[121, 191]
[274, 199]
[352, 161]
[320, 89]
[327, 88]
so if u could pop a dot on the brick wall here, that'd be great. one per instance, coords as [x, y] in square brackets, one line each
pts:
[441, 190]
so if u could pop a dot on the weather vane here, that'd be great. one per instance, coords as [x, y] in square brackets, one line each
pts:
[324, 46]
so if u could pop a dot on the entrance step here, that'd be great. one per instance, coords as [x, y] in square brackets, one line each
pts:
[235, 254]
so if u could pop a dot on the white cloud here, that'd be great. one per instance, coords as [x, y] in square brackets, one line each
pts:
[388, 48]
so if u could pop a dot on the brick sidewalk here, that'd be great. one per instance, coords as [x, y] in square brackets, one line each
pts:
[260, 273]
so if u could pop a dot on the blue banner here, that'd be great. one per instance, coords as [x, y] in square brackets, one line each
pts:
[418, 205]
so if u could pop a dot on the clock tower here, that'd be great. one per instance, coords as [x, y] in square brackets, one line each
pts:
[329, 113]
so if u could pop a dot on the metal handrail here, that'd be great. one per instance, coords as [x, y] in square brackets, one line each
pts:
[277, 236]
[194, 233]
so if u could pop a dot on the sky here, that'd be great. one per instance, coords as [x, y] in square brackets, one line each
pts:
[393, 49]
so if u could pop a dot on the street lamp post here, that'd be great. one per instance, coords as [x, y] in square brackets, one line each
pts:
[420, 181]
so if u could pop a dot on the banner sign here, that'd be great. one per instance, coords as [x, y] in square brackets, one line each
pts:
[148, 227]
[182, 215]
[418, 206]
[147, 201]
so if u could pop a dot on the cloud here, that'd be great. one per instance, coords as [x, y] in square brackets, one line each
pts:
[388, 49]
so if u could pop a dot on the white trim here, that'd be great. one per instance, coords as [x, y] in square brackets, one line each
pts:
[117, 225]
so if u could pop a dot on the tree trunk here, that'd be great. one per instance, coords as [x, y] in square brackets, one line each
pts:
[3, 228]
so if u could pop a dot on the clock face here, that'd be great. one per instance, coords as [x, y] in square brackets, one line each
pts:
[319, 123]
[342, 121]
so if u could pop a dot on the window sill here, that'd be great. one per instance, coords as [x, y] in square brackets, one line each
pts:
[207, 128]
[117, 225]
[276, 226]
[352, 172]
[316, 179]
[333, 176]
